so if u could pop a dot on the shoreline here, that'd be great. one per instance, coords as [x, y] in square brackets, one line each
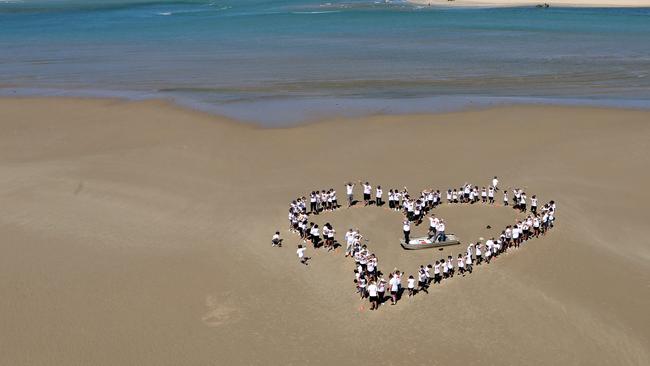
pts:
[533, 3]
[288, 112]
[170, 103]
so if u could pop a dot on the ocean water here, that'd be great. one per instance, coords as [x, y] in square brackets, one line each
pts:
[286, 61]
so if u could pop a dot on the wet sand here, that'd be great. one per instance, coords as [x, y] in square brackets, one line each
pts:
[139, 233]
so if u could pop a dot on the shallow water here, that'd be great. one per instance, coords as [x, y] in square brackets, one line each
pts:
[291, 60]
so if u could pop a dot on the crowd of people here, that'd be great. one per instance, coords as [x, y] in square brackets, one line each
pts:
[378, 287]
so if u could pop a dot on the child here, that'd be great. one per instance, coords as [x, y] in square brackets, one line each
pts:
[366, 193]
[276, 241]
[461, 264]
[422, 280]
[378, 195]
[381, 291]
[349, 189]
[301, 254]
[436, 273]
[373, 293]
[505, 198]
[411, 286]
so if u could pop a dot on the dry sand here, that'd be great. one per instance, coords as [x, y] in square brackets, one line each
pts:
[137, 233]
[568, 3]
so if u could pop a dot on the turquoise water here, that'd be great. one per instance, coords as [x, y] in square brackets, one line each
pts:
[285, 61]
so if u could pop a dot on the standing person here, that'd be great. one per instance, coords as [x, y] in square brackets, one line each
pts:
[411, 286]
[373, 293]
[378, 195]
[397, 195]
[301, 254]
[423, 280]
[366, 193]
[381, 290]
[393, 283]
[468, 262]
[406, 226]
[433, 226]
[362, 286]
[522, 201]
[477, 250]
[391, 197]
[491, 194]
[440, 237]
[349, 189]
[349, 242]
[312, 203]
[533, 205]
[505, 198]
[436, 273]
[461, 264]
[495, 182]
[315, 235]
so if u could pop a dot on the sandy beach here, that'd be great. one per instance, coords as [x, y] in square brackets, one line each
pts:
[138, 233]
[567, 3]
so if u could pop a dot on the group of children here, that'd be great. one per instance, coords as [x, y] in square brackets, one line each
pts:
[370, 282]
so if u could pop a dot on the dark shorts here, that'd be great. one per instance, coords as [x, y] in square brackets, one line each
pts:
[366, 196]
[373, 298]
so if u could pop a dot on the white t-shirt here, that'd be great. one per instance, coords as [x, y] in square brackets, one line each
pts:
[379, 192]
[301, 252]
[407, 226]
[394, 284]
[366, 188]
[372, 290]
[411, 283]
[348, 188]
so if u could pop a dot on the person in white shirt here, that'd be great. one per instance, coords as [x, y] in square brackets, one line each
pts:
[410, 285]
[436, 273]
[522, 202]
[315, 235]
[349, 189]
[423, 280]
[440, 236]
[460, 262]
[394, 284]
[406, 227]
[495, 182]
[468, 262]
[491, 194]
[433, 226]
[397, 195]
[366, 193]
[349, 242]
[275, 240]
[373, 294]
[505, 198]
[378, 196]
[533, 205]
[301, 254]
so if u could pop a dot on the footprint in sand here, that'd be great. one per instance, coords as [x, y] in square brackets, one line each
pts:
[219, 313]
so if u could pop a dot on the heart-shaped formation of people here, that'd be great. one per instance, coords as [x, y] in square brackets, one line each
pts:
[370, 281]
